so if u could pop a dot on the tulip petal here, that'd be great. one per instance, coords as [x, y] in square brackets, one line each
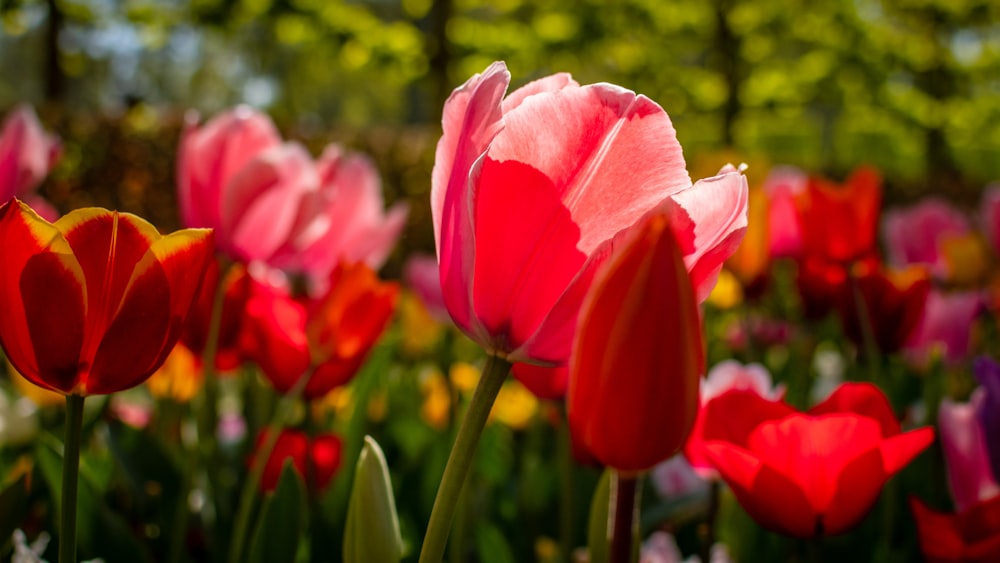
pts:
[26, 153]
[734, 414]
[550, 83]
[965, 452]
[773, 500]
[709, 220]
[861, 398]
[528, 263]
[898, 451]
[639, 321]
[940, 538]
[43, 288]
[855, 492]
[262, 200]
[813, 452]
[590, 137]
[210, 156]
[471, 118]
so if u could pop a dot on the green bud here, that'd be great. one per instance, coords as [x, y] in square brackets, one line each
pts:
[372, 532]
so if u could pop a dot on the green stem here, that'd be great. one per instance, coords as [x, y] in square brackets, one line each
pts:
[70, 478]
[567, 510]
[249, 494]
[622, 506]
[208, 419]
[460, 459]
[707, 529]
[867, 331]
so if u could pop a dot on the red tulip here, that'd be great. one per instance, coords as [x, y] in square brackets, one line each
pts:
[808, 474]
[970, 536]
[894, 300]
[229, 354]
[528, 192]
[637, 354]
[333, 335]
[725, 376]
[27, 153]
[316, 459]
[840, 223]
[95, 301]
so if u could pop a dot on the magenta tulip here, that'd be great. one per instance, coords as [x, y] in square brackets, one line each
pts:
[964, 445]
[913, 235]
[27, 153]
[528, 192]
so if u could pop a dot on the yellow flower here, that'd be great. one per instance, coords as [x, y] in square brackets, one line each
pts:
[727, 293]
[179, 378]
[967, 258]
[436, 407]
[420, 331]
[378, 406]
[515, 406]
[339, 400]
[464, 376]
[752, 258]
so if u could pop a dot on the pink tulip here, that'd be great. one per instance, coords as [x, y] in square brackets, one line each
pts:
[946, 324]
[270, 202]
[420, 273]
[344, 220]
[913, 235]
[969, 475]
[27, 153]
[782, 186]
[528, 193]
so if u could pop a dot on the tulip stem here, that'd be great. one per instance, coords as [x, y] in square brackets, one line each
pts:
[457, 469]
[707, 529]
[248, 496]
[867, 332]
[622, 507]
[70, 478]
[567, 511]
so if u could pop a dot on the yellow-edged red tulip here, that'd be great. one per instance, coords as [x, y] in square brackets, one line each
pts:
[94, 302]
[638, 353]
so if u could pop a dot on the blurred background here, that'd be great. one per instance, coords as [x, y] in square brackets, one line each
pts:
[910, 86]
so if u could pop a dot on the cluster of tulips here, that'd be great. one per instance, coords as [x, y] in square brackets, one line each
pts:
[574, 249]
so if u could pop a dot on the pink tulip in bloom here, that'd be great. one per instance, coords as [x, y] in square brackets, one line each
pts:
[946, 326]
[27, 153]
[344, 220]
[914, 235]
[529, 191]
[969, 474]
[269, 202]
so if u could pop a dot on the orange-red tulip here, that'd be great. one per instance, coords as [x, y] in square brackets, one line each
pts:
[637, 354]
[95, 301]
[333, 335]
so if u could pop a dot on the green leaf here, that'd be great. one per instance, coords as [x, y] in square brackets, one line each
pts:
[13, 499]
[597, 528]
[282, 519]
[372, 532]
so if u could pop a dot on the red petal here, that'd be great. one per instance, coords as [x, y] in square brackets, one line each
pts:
[864, 399]
[41, 287]
[772, 499]
[326, 454]
[638, 354]
[524, 266]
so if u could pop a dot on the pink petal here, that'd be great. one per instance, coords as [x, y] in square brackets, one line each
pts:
[27, 153]
[710, 226]
[964, 445]
[471, 120]
[611, 154]
[262, 201]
